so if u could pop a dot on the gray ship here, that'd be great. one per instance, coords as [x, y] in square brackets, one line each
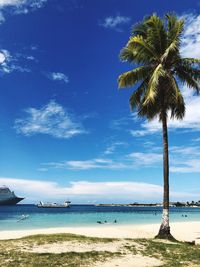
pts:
[66, 204]
[8, 197]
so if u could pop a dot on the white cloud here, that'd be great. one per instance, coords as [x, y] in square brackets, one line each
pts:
[6, 59]
[2, 57]
[2, 18]
[58, 76]
[145, 159]
[10, 63]
[111, 148]
[139, 133]
[124, 122]
[51, 119]
[42, 169]
[184, 150]
[130, 161]
[114, 23]
[26, 57]
[196, 139]
[21, 6]
[191, 36]
[150, 144]
[185, 159]
[30, 58]
[189, 166]
[33, 47]
[51, 189]
[182, 159]
[4, 3]
[97, 163]
[123, 190]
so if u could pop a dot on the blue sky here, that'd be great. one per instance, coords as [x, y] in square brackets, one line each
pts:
[66, 131]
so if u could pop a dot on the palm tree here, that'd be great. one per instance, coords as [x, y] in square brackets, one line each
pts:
[154, 47]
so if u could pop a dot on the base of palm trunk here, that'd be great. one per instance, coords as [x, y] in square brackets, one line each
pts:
[164, 233]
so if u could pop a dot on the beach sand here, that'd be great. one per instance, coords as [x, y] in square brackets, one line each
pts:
[184, 231]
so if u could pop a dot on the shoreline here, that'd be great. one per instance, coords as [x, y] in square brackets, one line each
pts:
[184, 231]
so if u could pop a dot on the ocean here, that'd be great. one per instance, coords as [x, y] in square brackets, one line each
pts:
[87, 215]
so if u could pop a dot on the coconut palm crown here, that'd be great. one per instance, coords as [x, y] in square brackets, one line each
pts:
[154, 47]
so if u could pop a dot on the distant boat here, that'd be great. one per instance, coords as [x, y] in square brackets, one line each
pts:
[66, 204]
[23, 217]
[7, 197]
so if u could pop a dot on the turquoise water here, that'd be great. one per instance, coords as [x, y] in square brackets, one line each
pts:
[80, 215]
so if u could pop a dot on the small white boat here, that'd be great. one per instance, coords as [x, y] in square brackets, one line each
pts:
[23, 217]
[66, 204]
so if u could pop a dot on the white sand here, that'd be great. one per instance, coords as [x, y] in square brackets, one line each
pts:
[126, 259]
[76, 246]
[186, 231]
[130, 260]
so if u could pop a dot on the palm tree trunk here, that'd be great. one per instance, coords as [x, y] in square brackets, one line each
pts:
[164, 231]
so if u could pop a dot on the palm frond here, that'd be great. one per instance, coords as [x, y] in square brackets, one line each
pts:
[127, 54]
[156, 34]
[175, 28]
[177, 103]
[174, 32]
[153, 84]
[142, 47]
[171, 49]
[189, 76]
[190, 61]
[149, 111]
[135, 99]
[140, 28]
[132, 77]
[192, 71]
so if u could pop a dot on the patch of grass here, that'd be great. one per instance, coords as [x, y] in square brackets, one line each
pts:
[172, 254]
[177, 254]
[54, 238]
[69, 259]
[11, 254]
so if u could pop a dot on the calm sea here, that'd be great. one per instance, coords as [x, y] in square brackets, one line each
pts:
[87, 215]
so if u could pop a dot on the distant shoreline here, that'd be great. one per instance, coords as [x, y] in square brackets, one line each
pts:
[147, 205]
[184, 205]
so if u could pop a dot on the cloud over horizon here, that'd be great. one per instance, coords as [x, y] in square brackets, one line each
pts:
[124, 191]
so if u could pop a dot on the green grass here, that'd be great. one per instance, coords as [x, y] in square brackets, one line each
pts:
[54, 238]
[172, 254]
[11, 254]
[70, 259]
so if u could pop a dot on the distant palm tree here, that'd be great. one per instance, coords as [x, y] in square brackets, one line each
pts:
[154, 47]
